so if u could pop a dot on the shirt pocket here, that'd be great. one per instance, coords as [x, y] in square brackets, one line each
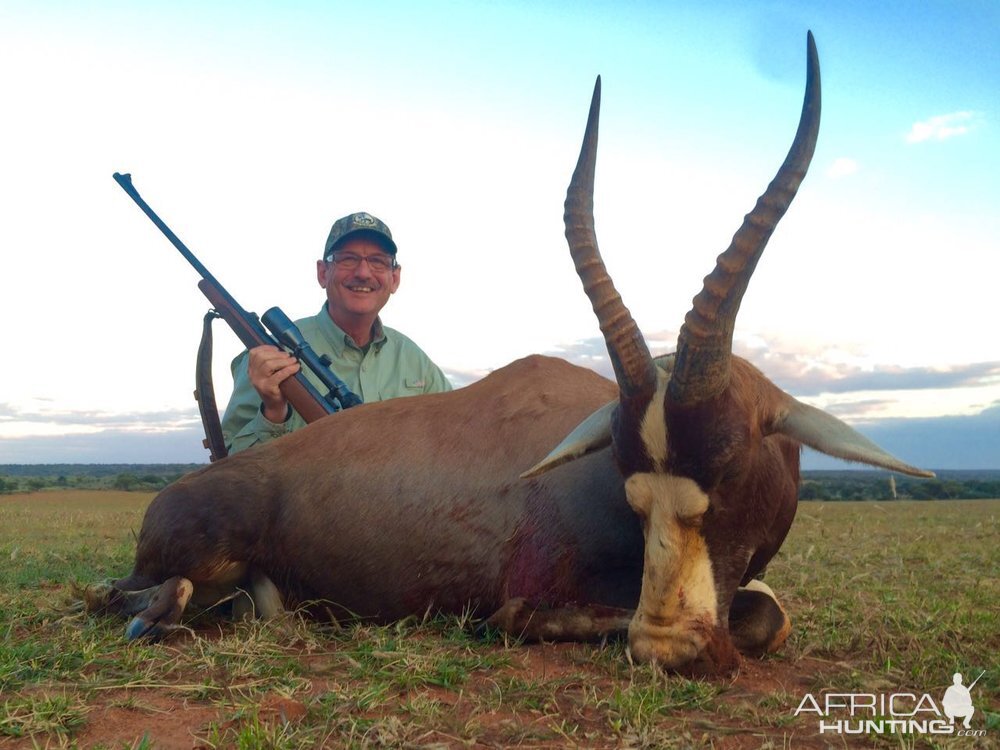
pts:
[415, 384]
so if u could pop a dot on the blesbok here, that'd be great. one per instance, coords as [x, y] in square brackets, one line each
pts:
[654, 516]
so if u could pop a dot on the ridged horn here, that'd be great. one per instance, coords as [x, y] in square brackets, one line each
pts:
[704, 346]
[630, 357]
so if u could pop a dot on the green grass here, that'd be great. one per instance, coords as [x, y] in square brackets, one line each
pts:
[910, 590]
[42, 713]
[882, 596]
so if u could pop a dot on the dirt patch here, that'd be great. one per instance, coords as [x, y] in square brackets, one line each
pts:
[123, 718]
[545, 695]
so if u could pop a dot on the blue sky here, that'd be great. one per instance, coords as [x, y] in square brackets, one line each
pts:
[250, 127]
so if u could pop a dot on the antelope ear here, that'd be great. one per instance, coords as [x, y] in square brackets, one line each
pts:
[827, 434]
[590, 435]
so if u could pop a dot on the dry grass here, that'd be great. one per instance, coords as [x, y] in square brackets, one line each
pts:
[884, 596]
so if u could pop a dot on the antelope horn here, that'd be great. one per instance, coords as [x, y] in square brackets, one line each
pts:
[705, 343]
[630, 357]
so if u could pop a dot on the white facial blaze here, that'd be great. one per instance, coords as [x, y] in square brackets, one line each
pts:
[653, 430]
[677, 606]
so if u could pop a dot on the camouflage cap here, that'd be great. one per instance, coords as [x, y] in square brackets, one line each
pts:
[358, 222]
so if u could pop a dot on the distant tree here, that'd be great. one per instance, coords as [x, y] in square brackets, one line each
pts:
[931, 489]
[8, 486]
[126, 481]
[35, 483]
[813, 490]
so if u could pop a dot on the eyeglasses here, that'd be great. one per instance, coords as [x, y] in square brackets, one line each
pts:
[350, 261]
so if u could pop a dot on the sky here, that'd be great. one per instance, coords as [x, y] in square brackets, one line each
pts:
[250, 127]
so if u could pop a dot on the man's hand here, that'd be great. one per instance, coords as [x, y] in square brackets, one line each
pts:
[268, 367]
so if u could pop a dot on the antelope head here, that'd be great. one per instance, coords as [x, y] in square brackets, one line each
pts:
[707, 445]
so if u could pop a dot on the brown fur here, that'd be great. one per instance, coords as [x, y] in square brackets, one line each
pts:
[392, 508]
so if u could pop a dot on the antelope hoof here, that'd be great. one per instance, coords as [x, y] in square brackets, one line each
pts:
[512, 618]
[163, 613]
[757, 622]
[101, 597]
[261, 599]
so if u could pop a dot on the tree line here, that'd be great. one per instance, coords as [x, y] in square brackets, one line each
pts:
[815, 485]
[876, 485]
[128, 477]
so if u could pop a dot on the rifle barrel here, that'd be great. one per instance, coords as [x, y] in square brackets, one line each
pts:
[125, 181]
[301, 394]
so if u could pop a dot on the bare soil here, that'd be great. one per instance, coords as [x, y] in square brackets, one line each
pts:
[476, 714]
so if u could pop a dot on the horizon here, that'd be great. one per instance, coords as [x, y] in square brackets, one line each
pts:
[846, 468]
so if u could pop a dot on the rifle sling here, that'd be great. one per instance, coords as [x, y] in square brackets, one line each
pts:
[204, 392]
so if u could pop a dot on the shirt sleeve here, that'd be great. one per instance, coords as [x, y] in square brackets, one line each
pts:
[435, 379]
[244, 424]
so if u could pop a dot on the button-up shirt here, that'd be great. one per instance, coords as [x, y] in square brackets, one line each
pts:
[390, 366]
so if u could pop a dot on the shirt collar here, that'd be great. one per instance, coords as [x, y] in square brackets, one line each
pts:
[339, 339]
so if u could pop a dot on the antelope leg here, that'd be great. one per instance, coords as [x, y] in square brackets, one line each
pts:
[589, 622]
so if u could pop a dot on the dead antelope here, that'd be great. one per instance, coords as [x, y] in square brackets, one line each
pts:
[654, 515]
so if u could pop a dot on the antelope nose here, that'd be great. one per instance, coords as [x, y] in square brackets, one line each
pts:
[670, 648]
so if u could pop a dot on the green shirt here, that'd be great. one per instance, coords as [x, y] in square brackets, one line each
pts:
[390, 366]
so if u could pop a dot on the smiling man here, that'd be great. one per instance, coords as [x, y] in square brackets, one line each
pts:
[359, 272]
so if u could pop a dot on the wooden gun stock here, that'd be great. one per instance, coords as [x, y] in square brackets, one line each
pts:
[300, 394]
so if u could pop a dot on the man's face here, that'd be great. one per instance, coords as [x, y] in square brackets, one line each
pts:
[361, 291]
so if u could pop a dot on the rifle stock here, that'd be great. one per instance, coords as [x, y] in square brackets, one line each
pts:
[299, 392]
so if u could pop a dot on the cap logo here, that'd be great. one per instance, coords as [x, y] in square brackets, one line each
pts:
[362, 221]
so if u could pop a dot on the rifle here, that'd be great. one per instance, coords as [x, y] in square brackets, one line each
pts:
[301, 394]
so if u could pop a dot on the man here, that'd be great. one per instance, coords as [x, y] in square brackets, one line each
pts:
[359, 272]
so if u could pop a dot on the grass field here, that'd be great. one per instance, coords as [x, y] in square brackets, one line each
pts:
[884, 597]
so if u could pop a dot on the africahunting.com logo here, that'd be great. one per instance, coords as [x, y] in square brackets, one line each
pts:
[896, 713]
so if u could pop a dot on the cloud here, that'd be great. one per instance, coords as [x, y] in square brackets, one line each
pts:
[811, 380]
[28, 435]
[942, 127]
[842, 167]
[857, 409]
[591, 353]
[92, 418]
[808, 373]
[460, 378]
[963, 442]
[954, 442]
[18, 422]
[108, 446]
